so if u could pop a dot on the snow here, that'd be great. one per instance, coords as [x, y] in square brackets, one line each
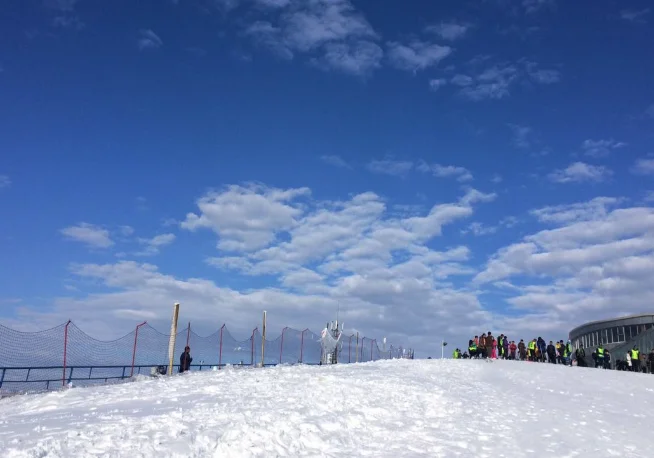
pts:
[397, 408]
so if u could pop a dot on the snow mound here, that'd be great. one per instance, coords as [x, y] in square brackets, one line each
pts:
[398, 408]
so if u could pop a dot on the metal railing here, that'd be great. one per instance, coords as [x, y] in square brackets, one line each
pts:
[35, 376]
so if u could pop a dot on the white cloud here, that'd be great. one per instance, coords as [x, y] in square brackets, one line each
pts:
[542, 76]
[580, 172]
[378, 265]
[273, 3]
[496, 81]
[436, 83]
[521, 136]
[153, 245]
[390, 167]
[126, 230]
[449, 30]
[358, 59]
[534, 6]
[446, 171]
[478, 229]
[596, 262]
[594, 209]
[644, 166]
[635, 15]
[492, 83]
[600, 148]
[331, 32]
[336, 161]
[462, 80]
[68, 21]
[417, 55]
[267, 35]
[149, 40]
[89, 234]
[496, 178]
[5, 182]
[246, 217]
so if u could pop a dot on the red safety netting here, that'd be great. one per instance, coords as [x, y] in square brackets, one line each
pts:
[55, 357]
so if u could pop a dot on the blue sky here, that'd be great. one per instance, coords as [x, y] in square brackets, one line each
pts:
[436, 168]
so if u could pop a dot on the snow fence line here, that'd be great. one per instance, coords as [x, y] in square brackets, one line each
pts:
[55, 358]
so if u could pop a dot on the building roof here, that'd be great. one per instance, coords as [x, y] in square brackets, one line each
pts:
[613, 320]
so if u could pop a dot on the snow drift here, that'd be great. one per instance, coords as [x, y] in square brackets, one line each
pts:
[398, 408]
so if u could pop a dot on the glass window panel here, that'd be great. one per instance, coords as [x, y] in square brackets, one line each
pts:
[634, 330]
[621, 336]
[648, 326]
[605, 339]
[609, 336]
[614, 334]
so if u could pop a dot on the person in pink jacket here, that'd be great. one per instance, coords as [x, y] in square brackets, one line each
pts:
[494, 356]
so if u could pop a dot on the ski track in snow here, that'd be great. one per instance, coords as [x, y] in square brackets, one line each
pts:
[399, 408]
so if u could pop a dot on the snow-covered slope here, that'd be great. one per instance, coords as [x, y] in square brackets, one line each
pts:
[397, 408]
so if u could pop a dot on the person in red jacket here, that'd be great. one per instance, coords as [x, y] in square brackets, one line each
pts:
[512, 349]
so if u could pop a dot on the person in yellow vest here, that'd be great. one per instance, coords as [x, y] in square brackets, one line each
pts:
[635, 359]
[472, 349]
[456, 354]
[532, 350]
[599, 356]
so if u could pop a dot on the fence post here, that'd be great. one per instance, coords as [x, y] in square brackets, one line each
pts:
[302, 346]
[357, 350]
[173, 338]
[188, 333]
[349, 349]
[136, 336]
[281, 347]
[220, 354]
[63, 377]
[252, 338]
[263, 340]
[371, 342]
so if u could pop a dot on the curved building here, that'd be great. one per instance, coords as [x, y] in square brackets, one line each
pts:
[612, 333]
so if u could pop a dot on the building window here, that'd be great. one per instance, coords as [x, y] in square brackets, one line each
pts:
[648, 326]
[621, 336]
[634, 331]
[614, 334]
[609, 335]
[605, 338]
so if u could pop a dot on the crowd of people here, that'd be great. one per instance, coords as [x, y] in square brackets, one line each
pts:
[537, 350]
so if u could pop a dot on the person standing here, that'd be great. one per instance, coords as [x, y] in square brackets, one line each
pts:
[481, 348]
[489, 344]
[635, 359]
[551, 353]
[599, 356]
[185, 360]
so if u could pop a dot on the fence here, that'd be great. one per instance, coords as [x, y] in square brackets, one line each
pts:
[50, 359]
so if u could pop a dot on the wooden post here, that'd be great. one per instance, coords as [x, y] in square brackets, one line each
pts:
[173, 337]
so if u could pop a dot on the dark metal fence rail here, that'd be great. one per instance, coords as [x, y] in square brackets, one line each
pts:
[50, 359]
